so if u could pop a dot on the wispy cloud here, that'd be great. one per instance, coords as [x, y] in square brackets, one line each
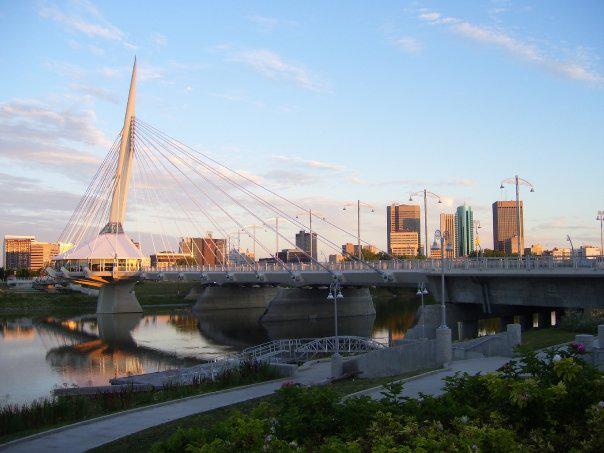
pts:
[271, 23]
[82, 17]
[158, 40]
[408, 44]
[308, 163]
[95, 92]
[516, 47]
[35, 133]
[272, 65]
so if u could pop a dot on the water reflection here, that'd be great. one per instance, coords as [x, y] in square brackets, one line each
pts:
[38, 353]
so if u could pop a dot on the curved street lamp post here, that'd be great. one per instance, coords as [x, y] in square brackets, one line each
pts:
[442, 237]
[517, 181]
[426, 193]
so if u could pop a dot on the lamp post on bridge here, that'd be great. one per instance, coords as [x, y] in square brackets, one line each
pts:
[253, 227]
[335, 294]
[600, 217]
[442, 237]
[518, 181]
[276, 219]
[310, 214]
[426, 193]
[421, 292]
[359, 204]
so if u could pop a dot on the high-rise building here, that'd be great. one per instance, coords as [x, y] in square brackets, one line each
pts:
[402, 218]
[534, 249]
[465, 230]
[42, 254]
[448, 224]
[505, 225]
[403, 243]
[303, 242]
[349, 249]
[205, 251]
[17, 251]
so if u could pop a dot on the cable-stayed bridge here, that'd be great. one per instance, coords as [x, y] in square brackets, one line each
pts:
[175, 191]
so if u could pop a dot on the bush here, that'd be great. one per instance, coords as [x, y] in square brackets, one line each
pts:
[553, 401]
[586, 322]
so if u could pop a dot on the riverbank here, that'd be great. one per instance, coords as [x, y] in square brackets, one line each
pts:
[149, 294]
[17, 421]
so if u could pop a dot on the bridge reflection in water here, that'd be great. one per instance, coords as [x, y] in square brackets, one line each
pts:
[91, 349]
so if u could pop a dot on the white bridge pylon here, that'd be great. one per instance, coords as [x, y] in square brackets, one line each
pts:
[174, 192]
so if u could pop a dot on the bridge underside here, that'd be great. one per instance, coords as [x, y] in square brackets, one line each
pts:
[536, 291]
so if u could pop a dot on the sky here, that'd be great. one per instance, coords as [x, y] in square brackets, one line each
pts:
[325, 102]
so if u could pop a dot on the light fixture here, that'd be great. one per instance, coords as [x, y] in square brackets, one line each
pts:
[434, 246]
[425, 291]
[372, 210]
[439, 200]
[449, 248]
[340, 296]
[410, 199]
[532, 190]
[501, 186]
[418, 293]
[344, 208]
[330, 296]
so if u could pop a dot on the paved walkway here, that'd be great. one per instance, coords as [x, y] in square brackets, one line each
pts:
[94, 433]
[432, 383]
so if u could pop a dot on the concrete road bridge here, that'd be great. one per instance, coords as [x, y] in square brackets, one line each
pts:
[182, 191]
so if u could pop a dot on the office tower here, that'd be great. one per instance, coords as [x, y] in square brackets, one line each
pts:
[448, 224]
[17, 251]
[505, 226]
[41, 254]
[349, 249]
[403, 243]
[205, 251]
[402, 218]
[465, 230]
[303, 242]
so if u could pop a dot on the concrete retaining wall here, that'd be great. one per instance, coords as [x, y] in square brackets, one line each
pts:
[410, 356]
[301, 303]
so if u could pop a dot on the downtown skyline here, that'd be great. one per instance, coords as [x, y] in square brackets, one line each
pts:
[315, 119]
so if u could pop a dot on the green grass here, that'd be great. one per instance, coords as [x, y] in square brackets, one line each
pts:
[542, 338]
[143, 440]
[47, 413]
[148, 294]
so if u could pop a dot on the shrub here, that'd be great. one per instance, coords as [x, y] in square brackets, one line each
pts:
[554, 401]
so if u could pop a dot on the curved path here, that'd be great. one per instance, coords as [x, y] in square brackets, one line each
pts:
[99, 431]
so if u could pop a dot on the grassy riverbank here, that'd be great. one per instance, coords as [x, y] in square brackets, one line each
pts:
[22, 420]
[144, 440]
[148, 294]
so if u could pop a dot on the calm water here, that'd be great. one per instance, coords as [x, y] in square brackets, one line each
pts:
[40, 353]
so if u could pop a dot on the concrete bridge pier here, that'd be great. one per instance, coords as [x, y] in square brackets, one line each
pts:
[311, 303]
[118, 297]
[234, 297]
[195, 291]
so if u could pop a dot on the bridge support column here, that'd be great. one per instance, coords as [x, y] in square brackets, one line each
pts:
[234, 297]
[118, 297]
[299, 303]
[194, 292]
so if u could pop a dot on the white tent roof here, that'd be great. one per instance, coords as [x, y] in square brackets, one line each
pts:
[104, 246]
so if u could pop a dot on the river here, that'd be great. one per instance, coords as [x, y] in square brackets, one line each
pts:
[41, 352]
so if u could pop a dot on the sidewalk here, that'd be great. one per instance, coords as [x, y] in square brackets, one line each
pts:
[432, 383]
[96, 432]
[93, 433]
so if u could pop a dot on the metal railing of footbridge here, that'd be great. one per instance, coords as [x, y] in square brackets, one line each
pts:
[281, 351]
[505, 263]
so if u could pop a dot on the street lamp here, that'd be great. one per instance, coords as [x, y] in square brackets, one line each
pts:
[359, 204]
[335, 294]
[518, 182]
[421, 292]
[600, 217]
[276, 219]
[442, 237]
[426, 193]
[476, 224]
[310, 214]
[572, 249]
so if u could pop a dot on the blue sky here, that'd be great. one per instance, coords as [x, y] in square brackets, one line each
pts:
[326, 102]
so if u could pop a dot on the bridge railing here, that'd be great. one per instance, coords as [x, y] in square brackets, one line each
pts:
[503, 263]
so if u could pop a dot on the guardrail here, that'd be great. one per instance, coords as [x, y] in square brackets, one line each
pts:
[507, 263]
